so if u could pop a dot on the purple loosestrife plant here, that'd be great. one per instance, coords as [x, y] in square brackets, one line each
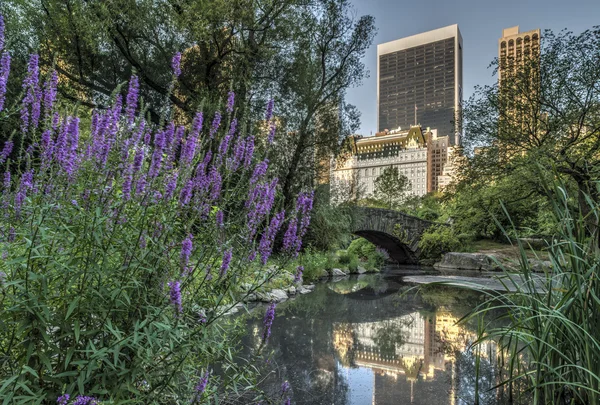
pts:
[176, 64]
[6, 151]
[269, 112]
[85, 400]
[201, 386]
[215, 125]
[132, 99]
[298, 276]
[4, 73]
[101, 216]
[230, 101]
[268, 322]
[2, 38]
[63, 399]
[271, 135]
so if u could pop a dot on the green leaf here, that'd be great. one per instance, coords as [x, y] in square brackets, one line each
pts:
[72, 307]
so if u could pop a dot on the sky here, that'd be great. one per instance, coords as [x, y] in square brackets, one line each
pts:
[480, 23]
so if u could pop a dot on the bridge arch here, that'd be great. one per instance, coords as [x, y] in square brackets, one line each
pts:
[379, 226]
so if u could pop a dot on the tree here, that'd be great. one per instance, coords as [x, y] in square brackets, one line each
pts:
[391, 186]
[325, 61]
[542, 121]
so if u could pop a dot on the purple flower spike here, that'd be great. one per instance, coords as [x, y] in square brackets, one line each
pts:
[268, 321]
[259, 171]
[6, 151]
[4, 72]
[249, 151]
[175, 295]
[186, 250]
[271, 136]
[201, 386]
[176, 64]
[189, 149]
[289, 239]
[269, 113]
[31, 85]
[266, 242]
[285, 387]
[6, 181]
[50, 93]
[1, 32]
[225, 263]
[230, 101]
[215, 125]
[83, 400]
[63, 399]
[132, 98]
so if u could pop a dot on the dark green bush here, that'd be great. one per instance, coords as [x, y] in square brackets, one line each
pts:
[438, 240]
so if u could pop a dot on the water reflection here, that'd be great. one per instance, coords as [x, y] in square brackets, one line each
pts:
[360, 341]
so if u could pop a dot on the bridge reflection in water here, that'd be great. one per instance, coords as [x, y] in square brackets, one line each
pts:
[360, 342]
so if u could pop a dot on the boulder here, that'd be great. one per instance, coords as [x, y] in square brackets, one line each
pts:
[540, 266]
[361, 270]
[291, 290]
[305, 289]
[276, 295]
[337, 273]
[466, 261]
[251, 298]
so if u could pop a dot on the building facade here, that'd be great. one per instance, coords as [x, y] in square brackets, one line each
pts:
[419, 154]
[419, 79]
[515, 48]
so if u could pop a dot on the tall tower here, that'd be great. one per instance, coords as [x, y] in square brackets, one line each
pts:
[515, 48]
[419, 81]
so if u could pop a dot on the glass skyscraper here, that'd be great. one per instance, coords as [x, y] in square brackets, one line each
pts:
[419, 81]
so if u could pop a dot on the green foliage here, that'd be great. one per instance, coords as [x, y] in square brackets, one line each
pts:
[438, 240]
[391, 186]
[549, 333]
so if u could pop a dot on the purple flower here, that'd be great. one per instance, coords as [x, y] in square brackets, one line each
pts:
[266, 242]
[63, 399]
[225, 262]
[186, 193]
[304, 207]
[189, 150]
[271, 136]
[259, 171]
[83, 400]
[47, 148]
[6, 151]
[50, 93]
[215, 125]
[186, 250]
[159, 145]
[289, 239]
[298, 276]
[140, 185]
[176, 64]
[73, 141]
[268, 321]
[132, 99]
[219, 219]
[215, 183]
[288, 401]
[171, 185]
[143, 242]
[201, 386]
[177, 138]
[175, 295]
[4, 72]
[138, 160]
[285, 387]
[238, 154]
[249, 151]
[6, 181]
[127, 181]
[230, 101]
[1, 32]
[269, 112]
[31, 85]
[259, 204]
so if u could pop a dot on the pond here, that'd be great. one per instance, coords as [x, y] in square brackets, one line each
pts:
[372, 339]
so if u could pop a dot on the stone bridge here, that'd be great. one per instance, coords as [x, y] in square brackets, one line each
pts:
[394, 231]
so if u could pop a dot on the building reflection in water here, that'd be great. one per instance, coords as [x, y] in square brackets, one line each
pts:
[412, 358]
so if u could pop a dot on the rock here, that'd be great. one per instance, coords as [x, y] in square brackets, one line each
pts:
[361, 270]
[251, 298]
[466, 261]
[276, 295]
[235, 309]
[337, 273]
[324, 274]
[540, 266]
[305, 289]
[291, 290]
[246, 287]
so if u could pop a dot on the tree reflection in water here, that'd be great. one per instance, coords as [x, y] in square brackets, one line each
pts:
[372, 345]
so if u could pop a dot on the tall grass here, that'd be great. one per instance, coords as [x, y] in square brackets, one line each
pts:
[549, 333]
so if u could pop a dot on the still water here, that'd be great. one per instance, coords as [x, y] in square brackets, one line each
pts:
[373, 340]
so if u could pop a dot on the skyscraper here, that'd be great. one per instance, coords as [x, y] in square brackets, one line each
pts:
[419, 81]
[515, 48]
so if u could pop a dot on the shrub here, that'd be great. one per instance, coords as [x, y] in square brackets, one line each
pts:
[121, 248]
[437, 240]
